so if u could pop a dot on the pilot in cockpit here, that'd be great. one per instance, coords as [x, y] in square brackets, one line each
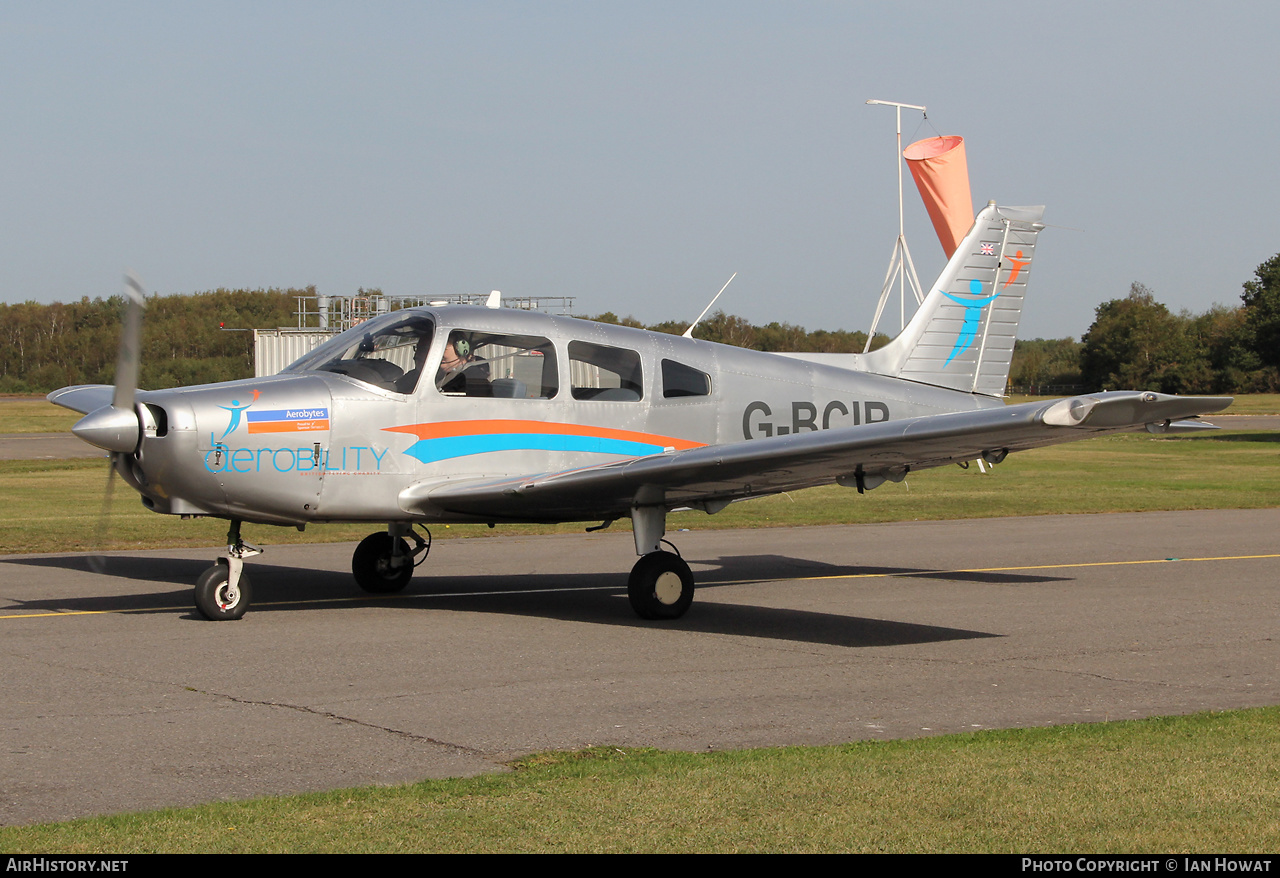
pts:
[461, 371]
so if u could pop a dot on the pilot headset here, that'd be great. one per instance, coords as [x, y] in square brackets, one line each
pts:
[463, 347]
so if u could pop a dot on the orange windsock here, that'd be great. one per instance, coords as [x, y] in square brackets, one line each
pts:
[938, 166]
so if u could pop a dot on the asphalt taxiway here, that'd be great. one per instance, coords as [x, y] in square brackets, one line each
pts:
[45, 446]
[117, 697]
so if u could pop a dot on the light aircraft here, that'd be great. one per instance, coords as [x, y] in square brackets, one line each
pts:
[474, 414]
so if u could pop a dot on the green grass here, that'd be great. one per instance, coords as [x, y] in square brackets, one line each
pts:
[1255, 404]
[1203, 783]
[1126, 473]
[35, 415]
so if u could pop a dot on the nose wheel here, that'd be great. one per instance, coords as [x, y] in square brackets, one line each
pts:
[223, 592]
[220, 600]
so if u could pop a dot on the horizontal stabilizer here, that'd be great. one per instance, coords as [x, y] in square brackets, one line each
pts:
[83, 398]
[1181, 427]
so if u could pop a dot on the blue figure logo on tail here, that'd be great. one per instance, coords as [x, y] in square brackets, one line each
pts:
[972, 316]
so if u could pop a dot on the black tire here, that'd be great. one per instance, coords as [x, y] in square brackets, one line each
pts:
[661, 586]
[211, 595]
[371, 565]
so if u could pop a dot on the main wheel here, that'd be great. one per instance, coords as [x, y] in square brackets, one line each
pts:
[371, 564]
[213, 599]
[661, 586]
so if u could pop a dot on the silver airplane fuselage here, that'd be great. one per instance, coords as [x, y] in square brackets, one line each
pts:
[313, 445]
[464, 413]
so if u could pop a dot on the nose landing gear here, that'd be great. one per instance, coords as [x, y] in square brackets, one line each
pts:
[223, 592]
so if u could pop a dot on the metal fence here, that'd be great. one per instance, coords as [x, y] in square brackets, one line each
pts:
[322, 317]
[1045, 389]
[338, 313]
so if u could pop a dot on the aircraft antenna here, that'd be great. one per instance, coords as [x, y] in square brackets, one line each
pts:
[901, 268]
[688, 333]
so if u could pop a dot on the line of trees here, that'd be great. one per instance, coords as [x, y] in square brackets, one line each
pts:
[732, 329]
[1134, 342]
[198, 339]
[186, 339]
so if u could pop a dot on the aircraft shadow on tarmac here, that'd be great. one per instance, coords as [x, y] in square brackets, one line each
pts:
[1237, 437]
[596, 598]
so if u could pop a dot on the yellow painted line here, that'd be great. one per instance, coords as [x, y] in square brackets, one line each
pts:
[1067, 566]
[67, 613]
[436, 595]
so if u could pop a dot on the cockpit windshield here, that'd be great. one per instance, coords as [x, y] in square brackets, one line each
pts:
[387, 352]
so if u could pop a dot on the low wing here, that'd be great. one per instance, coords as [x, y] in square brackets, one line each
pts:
[83, 398]
[711, 476]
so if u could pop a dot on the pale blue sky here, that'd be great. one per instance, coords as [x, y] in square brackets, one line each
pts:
[633, 156]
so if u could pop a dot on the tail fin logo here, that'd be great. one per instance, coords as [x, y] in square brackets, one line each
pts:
[972, 317]
[1018, 264]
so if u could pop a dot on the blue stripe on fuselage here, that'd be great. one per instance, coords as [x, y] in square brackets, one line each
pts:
[444, 448]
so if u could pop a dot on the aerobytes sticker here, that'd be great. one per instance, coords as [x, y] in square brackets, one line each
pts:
[290, 420]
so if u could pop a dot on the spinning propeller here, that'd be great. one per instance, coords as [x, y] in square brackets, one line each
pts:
[117, 427]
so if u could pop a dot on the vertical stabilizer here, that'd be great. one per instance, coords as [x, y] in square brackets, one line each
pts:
[962, 335]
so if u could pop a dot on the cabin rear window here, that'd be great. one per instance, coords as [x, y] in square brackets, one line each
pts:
[681, 380]
[604, 373]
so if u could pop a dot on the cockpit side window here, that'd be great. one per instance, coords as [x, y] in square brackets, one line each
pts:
[681, 380]
[498, 365]
[604, 373]
[387, 352]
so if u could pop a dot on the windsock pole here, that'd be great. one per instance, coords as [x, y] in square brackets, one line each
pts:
[901, 268]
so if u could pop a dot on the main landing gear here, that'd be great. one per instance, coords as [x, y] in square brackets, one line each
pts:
[383, 562]
[661, 586]
[661, 583]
